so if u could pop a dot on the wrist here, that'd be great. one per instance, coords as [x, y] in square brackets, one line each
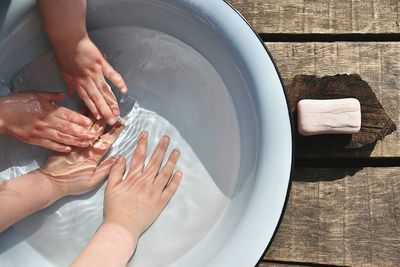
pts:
[117, 234]
[133, 232]
[68, 46]
[67, 41]
[39, 183]
[50, 190]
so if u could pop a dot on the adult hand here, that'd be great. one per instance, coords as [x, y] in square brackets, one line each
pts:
[33, 118]
[82, 170]
[135, 202]
[84, 69]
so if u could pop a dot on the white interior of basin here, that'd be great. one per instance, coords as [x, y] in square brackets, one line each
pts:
[247, 114]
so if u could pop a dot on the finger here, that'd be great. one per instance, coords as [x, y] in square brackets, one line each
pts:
[101, 172]
[108, 95]
[52, 145]
[52, 96]
[70, 84]
[117, 172]
[113, 134]
[89, 103]
[104, 143]
[73, 116]
[156, 159]
[101, 104]
[98, 127]
[163, 177]
[139, 156]
[75, 130]
[62, 138]
[116, 78]
[171, 188]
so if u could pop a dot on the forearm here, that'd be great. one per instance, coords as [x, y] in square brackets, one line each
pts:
[64, 21]
[23, 196]
[112, 245]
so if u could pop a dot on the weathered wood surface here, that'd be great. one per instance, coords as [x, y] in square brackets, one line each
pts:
[341, 217]
[270, 264]
[312, 16]
[377, 63]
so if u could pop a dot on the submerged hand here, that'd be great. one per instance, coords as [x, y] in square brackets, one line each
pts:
[82, 170]
[33, 118]
[84, 69]
[135, 202]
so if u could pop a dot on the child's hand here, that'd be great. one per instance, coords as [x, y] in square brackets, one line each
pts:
[84, 69]
[33, 118]
[135, 203]
[82, 170]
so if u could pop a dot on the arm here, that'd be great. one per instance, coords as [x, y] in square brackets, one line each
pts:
[74, 173]
[82, 66]
[64, 21]
[131, 205]
[17, 200]
[112, 245]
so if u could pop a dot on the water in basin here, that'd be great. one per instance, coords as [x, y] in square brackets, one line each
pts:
[158, 69]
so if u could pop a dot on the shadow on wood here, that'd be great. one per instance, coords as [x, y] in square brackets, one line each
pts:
[303, 174]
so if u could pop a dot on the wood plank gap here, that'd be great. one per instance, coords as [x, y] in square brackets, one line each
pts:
[289, 263]
[322, 162]
[329, 38]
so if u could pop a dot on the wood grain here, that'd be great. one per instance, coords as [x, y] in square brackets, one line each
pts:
[343, 217]
[377, 63]
[273, 264]
[312, 16]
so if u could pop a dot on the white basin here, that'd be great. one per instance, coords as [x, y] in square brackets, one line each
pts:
[229, 105]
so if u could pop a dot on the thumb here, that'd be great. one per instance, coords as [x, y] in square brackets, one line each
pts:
[101, 172]
[52, 96]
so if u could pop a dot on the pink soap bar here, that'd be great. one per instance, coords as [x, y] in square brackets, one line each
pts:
[333, 116]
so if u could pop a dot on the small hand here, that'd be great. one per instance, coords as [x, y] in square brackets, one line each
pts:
[84, 69]
[33, 118]
[82, 170]
[135, 202]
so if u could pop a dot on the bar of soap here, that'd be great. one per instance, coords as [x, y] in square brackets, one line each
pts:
[333, 116]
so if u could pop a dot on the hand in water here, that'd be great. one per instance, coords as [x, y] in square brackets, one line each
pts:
[82, 170]
[135, 202]
[33, 118]
[84, 69]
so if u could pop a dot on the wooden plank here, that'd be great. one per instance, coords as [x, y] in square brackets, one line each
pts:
[273, 264]
[341, 216]
[321, 16]
[377, 63]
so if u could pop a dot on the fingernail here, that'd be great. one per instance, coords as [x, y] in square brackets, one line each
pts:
[88, 122]
[179, 173]
[176, 152]
[67, 148]
[115, 112]
[166, 138]
[142, 135]
[98, 117]
[85, 144]
[112, 121]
